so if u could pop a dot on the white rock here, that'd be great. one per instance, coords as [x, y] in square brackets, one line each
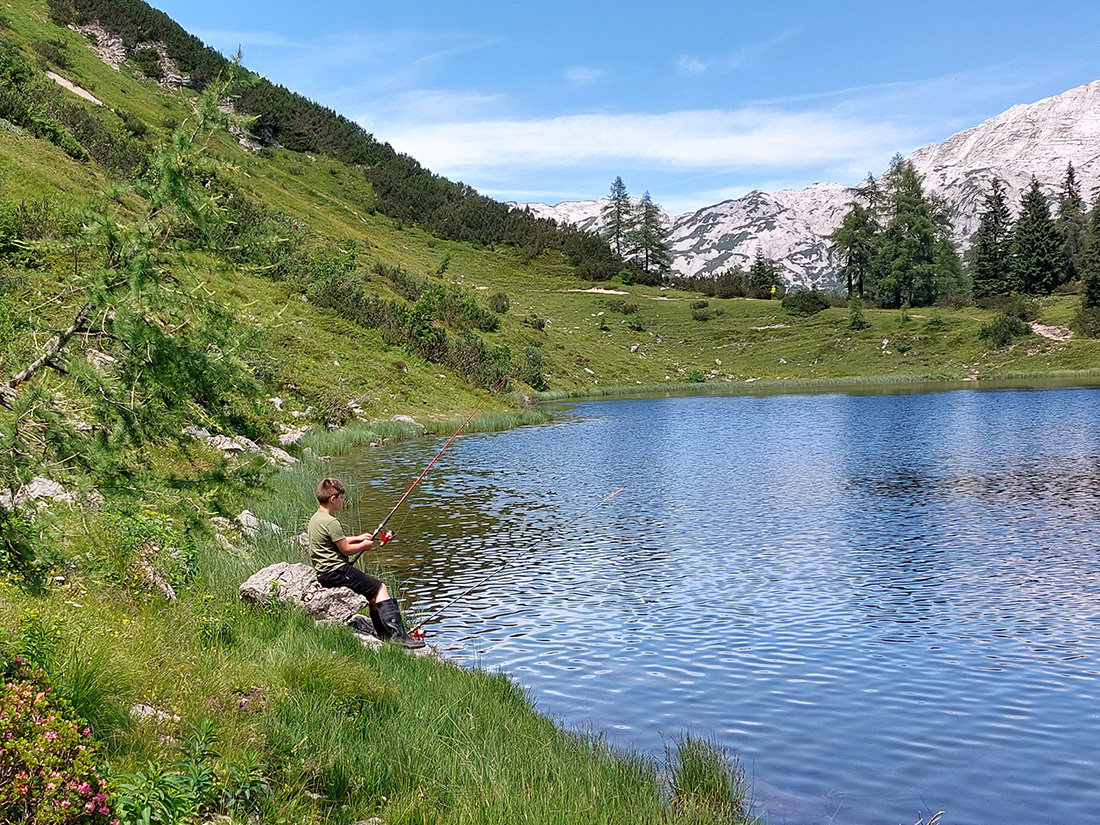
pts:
[251, 525]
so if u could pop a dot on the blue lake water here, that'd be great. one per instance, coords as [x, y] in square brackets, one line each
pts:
[885, 605]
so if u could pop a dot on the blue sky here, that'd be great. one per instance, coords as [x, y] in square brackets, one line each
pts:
[694, 102]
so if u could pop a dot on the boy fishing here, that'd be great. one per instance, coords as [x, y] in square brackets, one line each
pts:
[329, 552]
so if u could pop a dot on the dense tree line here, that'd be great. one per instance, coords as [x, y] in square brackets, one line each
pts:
[404, 189]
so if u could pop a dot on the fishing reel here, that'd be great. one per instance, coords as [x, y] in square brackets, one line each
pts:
[384, 536]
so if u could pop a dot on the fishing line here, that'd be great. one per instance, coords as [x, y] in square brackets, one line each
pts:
[386, 536]
[419, 629]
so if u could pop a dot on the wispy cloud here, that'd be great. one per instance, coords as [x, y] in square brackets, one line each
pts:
[223, 39]
[739, 58]
[583, 75]
[687, 139]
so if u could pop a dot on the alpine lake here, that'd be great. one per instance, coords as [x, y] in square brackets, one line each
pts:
[886, 605]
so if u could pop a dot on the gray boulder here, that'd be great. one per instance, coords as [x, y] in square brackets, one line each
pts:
[297, 585]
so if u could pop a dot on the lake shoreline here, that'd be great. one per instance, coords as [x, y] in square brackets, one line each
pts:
[861, 385]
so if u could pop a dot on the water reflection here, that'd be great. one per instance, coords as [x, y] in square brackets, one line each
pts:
[886, 604]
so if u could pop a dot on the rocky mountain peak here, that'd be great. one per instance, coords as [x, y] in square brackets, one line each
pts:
[792, 226]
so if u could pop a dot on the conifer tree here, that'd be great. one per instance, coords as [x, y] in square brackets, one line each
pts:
[617, 219]
[172, 355]
[1071, 222]
[763, 276]
[856, 243]
[649, 240]
[918, 260]
[1087, 320]
[1038, 262]
[990, 251]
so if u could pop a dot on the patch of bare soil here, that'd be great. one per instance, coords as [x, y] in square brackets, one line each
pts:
[72, 87]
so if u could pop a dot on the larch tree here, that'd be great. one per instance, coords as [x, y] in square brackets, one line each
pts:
[617, 219]
[649, 240]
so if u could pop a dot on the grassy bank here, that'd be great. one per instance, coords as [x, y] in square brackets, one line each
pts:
[296, 723]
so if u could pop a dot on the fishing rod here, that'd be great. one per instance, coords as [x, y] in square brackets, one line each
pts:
[418, 631]
[385, 535]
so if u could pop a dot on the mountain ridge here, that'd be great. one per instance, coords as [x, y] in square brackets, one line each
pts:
[791, 226]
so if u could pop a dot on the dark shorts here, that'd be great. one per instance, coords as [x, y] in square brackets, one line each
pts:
[351, 577]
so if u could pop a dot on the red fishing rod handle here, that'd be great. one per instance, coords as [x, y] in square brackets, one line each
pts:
[384, 536]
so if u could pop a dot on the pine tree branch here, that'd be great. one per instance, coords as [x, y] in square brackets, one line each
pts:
[55, 346]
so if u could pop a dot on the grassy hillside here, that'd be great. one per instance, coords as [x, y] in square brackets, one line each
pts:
[200, 280]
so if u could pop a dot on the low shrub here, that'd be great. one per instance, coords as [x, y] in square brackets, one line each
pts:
[702, 314]
[18, 559]
[196, 785]
[147, 61]
[1012, 305]
[1003, 330]
[702, 303]
[622, 307]
[53, 51]
[1087, 322]
[128, 545]
[805, 302]
[499, 303]
[696, 377]
[532, 373]
[49, 771]
[535, 322]
[856, 321]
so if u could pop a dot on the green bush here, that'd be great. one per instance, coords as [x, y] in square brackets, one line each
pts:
[1087, 322]
[196, 785]
[805, 302]
[856, 321]
[1003, 330]
[696, 377]
[622, 307]
[128, 543]
[702, 314]
[18, 558]
[147, 61]
[499, 303]
[535, 322]
[532, 372]
[53, 51]
[1013, 305]
[701, 303]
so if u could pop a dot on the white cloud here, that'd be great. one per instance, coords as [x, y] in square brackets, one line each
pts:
[583, 75]
[691, 65]
[696, 139]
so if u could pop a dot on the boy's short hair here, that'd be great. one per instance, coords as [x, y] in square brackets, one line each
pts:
[328, 489]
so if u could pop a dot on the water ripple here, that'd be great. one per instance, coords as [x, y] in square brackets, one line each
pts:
[884, 604]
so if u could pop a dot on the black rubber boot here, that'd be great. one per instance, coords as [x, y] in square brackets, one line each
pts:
[379, 628]
[390, 614]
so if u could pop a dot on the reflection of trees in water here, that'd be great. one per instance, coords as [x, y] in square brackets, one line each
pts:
[1050, 480]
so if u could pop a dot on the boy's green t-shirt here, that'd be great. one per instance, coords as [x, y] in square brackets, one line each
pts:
[324, 531]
